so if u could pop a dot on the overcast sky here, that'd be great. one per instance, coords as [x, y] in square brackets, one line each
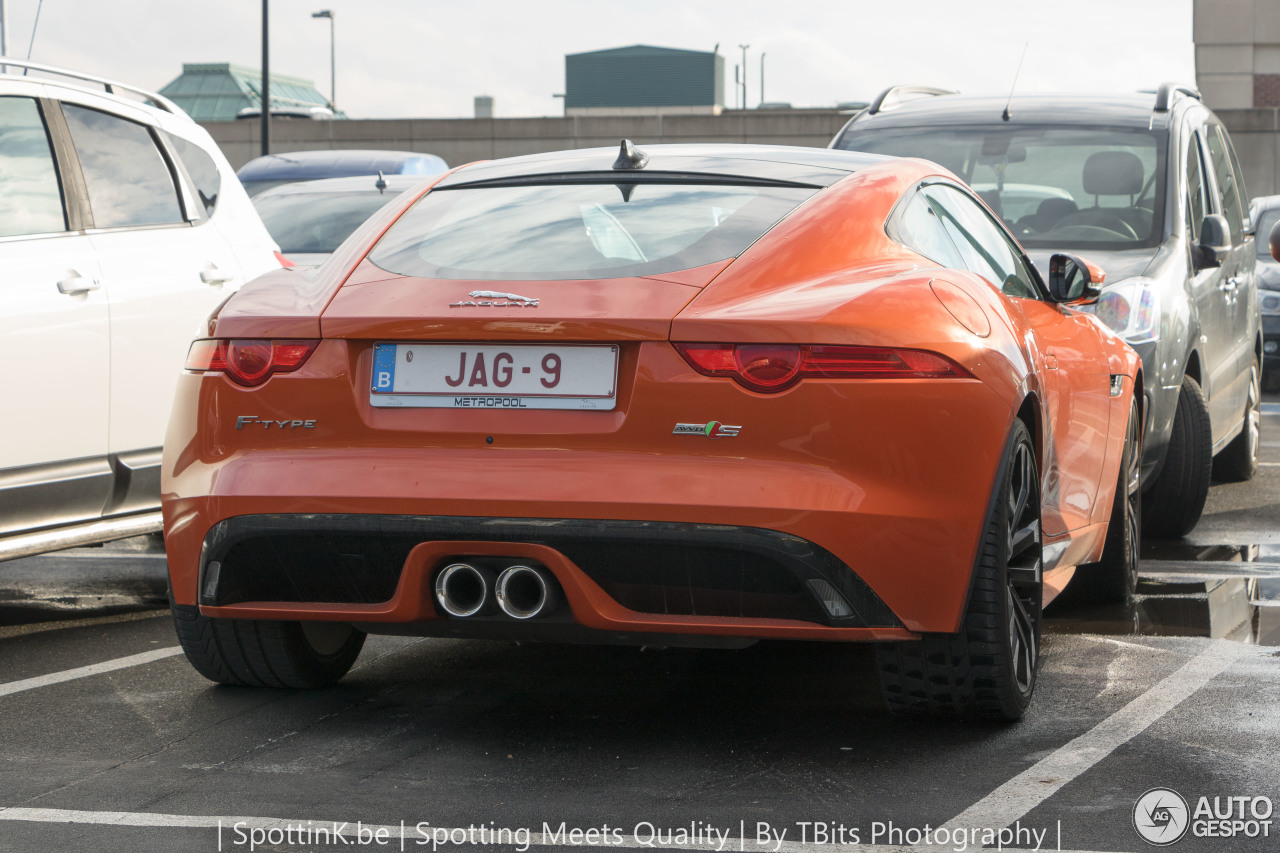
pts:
[414, 58]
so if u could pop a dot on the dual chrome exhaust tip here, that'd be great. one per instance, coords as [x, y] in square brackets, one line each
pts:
[520, 592]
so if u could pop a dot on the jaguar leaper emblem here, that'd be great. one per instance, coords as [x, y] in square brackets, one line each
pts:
[496, 299]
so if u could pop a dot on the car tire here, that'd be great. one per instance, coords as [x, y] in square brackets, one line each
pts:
[988, 668]
[266, 653]
[1238, 461]
[1114, 578]
[1174, 503]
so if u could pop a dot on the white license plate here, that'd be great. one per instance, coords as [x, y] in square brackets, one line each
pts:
[514, 376]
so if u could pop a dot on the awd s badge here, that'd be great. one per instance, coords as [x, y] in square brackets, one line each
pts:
[715, 429]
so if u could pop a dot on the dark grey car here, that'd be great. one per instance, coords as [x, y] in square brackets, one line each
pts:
[1265, 214]
[1148, 187]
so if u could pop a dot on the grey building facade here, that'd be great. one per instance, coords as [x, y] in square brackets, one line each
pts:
[644, 80]
[1238, 73]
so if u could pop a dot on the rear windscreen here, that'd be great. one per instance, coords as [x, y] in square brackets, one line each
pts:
[315, 223]
[575, 231]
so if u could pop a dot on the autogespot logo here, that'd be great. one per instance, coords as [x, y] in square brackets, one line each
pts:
[1161, 817]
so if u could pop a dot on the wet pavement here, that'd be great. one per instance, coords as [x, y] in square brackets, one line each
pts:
[113, 742]
[79, 583]
[1229, 592]
[1222, 581]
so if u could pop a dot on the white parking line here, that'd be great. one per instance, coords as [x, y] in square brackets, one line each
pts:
[407, 836]
[86, 671]
[1050, 774]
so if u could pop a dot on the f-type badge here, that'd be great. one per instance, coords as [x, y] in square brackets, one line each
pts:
[494, 299]
[715, 429]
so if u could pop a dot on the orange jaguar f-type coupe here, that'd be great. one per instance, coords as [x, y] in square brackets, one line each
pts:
[689, 395]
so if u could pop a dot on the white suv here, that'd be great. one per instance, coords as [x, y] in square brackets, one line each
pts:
[122, 226]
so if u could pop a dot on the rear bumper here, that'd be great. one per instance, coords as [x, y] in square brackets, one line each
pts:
[910, 539]
[616, 577]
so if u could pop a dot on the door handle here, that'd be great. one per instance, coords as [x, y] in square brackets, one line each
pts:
[75, 283]
[213, 275]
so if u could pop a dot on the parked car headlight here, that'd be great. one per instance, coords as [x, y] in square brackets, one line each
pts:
[1270, 300]
[1130, 308]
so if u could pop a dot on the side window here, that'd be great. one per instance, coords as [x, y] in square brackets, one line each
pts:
[920, 229]
[128, 180]
[203, 171]
[1241, 192]
[30, 196]
[985, 247]
[1196, 207]
[1228, 189]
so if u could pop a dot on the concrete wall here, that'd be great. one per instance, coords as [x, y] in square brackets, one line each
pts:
[1238, 74]
[461, 141]
[1255, 132]
[1237, 52]
[1256, 136]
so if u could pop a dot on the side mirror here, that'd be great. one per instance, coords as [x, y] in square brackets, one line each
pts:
[1073, 280]
[1215, 241]
[1274, 240]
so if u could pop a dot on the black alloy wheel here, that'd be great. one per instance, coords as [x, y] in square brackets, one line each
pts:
[1023, 569]
[1238, 461]
[988, 668]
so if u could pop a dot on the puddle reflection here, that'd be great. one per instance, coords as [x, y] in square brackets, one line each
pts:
[1163, 551]
[1227, 592]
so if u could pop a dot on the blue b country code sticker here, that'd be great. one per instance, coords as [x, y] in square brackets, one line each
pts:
[384, 368]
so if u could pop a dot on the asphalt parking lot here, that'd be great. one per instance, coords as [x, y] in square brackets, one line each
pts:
[113, 742]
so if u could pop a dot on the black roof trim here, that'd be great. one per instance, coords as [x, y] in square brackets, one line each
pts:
[549, 178]
[780, 165]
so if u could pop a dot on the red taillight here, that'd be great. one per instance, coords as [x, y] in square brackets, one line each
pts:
[768, 367]
[776, 367]
[284, 262]
[247, 361]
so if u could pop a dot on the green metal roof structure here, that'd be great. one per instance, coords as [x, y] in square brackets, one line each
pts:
[644, 76]
[216, 91]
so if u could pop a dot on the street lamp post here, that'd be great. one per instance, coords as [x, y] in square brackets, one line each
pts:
[333, 85]
[744, 74]
[762, 56]
[266, 84]
[4, 33]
